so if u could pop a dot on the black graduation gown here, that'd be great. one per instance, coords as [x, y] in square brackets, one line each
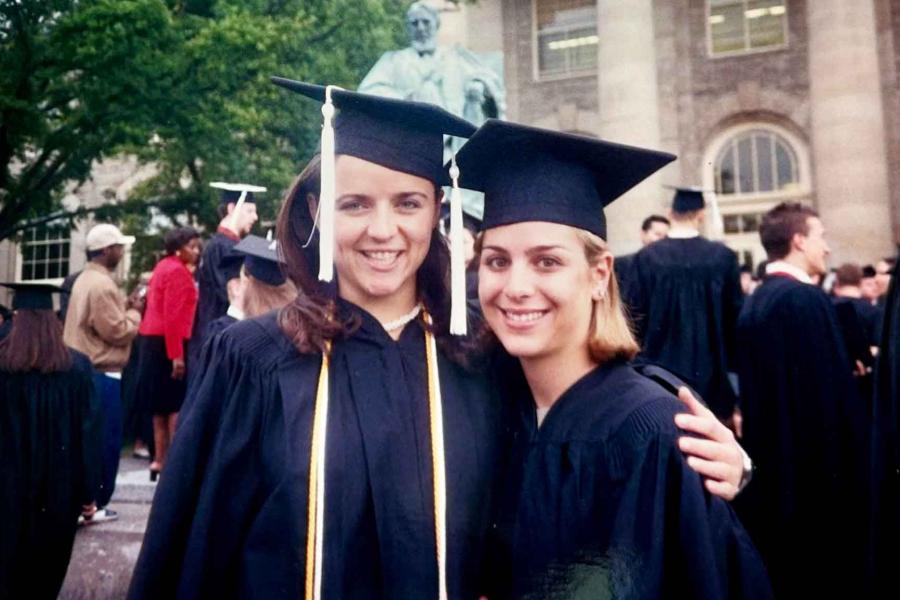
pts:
[230, 514]
[217, 326]
[622, 266]
[804, 427]
[212, 281]
[600, 503]
[885, 514]
[50, 441]
[685, 295]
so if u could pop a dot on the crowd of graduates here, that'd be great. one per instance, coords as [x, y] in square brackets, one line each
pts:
[347, 411]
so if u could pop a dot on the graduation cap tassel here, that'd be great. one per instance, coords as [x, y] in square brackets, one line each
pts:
[235, 215]
[458, 325]
[326, 192]
[718, 223]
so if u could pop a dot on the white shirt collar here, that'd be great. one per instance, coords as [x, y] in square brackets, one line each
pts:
[786, 267]
[681, 232]
[234, 311]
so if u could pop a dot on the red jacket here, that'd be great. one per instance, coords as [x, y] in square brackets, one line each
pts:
[171, 303]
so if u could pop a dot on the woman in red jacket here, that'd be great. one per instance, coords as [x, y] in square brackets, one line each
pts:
[171, 303]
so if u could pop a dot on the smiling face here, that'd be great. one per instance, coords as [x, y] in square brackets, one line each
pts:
[537, 289]
[383, 225]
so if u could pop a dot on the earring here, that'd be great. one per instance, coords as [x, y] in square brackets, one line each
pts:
[600, 293]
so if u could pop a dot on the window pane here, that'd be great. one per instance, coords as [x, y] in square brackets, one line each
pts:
[40, 252]
[64, 269]
[732, 223]
[567, 36]
[40, 270]
[27, 271]
[784, 162]
[65, 251]
[27, 252]
[54, 251]
[745, 165]
[751, 222]
[53, 270]
[725, 176]
[764, 163]
[726, 25]
[765, 23]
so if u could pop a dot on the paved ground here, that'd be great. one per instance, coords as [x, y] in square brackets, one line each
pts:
[105, 553]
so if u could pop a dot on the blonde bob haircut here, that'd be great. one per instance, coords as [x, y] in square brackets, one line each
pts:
[611, 336]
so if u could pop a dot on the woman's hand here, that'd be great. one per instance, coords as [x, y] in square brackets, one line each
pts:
[177, 368]
[715, 454]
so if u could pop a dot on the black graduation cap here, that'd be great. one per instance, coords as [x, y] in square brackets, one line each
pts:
[401, 135]
[687, 199]
[34, 296]
[531, 174]
[261, 259]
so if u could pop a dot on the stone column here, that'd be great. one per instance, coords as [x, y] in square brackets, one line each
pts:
[848, 131]
[629, 106]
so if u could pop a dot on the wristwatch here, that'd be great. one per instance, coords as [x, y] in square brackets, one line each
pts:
[747, 474]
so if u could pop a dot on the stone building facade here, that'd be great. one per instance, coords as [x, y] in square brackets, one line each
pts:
[762, 100]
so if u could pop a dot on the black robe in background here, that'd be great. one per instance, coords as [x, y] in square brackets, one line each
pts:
[804, 426]
[212, 280]
[685, 295]
[230, 514]
[885, 523]
[50, 441]
[600, 503]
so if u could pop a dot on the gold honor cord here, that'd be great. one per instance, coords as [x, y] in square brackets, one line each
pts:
[315, 513]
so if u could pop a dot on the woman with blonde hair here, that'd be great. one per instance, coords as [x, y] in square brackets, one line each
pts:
[262, 285]
[599, 500]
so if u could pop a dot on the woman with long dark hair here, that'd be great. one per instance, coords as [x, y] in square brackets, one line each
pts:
[50, 443]
[171, 302]
[346, 446]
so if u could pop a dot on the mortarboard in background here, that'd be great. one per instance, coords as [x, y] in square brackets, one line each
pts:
[531, 174]
[261, 259]
[33, 296]
[687, 199]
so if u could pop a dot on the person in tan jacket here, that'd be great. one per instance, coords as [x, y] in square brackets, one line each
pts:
[102, 323]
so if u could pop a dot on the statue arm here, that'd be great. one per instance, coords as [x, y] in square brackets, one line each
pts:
[381, 77]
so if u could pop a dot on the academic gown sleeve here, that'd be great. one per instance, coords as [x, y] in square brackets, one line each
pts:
[692, 545]
[209, 491]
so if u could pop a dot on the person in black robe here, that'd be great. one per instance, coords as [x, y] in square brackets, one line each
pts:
[884, 526]
[599, 501]
[803, 421]
[232, 518]
[216, 269]
[50, 441]
[685, 294]
[653, 229]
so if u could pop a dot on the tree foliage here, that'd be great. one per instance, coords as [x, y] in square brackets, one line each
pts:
[182, 84]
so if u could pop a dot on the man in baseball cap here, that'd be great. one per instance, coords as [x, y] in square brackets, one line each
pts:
[101, 323]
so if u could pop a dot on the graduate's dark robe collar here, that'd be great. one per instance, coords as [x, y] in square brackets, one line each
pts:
[228, 233]
[572, 398]
[370, 328]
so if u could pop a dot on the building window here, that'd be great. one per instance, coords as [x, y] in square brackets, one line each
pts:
[566, 37]
[45, 253]
[737, 26]
[756, 162]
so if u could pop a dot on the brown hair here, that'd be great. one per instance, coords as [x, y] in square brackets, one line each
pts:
[781, 224]
[35, 343]
[309, 320]
[848, 274]
[611, 336]
[260, 297]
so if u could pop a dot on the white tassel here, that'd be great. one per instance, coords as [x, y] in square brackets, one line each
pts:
[717, 222]
[458, 325]
[235, 214]
[326, 192]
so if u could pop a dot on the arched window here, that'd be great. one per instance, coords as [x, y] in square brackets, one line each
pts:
[756, 162]
[752, 167]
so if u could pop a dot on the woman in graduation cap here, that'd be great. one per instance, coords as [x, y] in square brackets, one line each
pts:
[344, 448]
[263, 286]
[600, 501]
[50, 441]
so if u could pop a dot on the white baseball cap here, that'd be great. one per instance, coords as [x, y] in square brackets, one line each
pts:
[105, 235]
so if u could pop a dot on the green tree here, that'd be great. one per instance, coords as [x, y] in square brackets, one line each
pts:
[182, 84]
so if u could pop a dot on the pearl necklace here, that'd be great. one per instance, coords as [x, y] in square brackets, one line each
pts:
[400, 322]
